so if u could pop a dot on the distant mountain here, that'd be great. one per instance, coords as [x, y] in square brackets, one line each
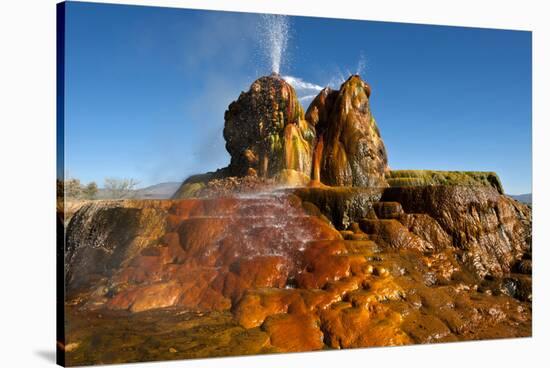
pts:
[157, 191]
[524, 198]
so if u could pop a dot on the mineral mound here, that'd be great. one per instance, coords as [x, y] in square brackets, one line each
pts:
[266, 133]
[305, 241]
[352, 153]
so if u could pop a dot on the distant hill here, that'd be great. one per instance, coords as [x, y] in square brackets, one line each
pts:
[158, 191]
[524, 198]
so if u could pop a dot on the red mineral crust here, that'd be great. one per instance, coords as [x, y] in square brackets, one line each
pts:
[292, 275]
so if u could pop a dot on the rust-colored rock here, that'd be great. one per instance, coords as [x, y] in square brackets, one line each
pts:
[293, 282]
[261, 271]
[351, 327]
[256, 305]
[427, 229]
[320, 109]
[147, 297]
[323, 262]
[294, 332]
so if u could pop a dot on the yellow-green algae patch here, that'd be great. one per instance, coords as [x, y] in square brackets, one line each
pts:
[406, 178]
[107, 337]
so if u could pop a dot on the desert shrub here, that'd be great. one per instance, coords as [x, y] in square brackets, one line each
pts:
[90, 191]
[120, 188]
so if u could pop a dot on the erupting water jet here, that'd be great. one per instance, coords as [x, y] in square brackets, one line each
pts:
[275, 31]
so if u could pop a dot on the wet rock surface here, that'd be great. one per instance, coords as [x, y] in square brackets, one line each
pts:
[111, 337]
[268, 273]
[103, 235]
[204, 254]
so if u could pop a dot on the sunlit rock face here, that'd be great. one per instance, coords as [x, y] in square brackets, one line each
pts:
[353, 153]
[266, 133]
[490, 231]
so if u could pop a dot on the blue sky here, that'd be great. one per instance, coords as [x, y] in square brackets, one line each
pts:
[146, 89]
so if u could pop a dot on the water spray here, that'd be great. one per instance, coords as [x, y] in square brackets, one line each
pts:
[275, 29]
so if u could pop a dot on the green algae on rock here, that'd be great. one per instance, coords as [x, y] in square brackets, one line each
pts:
[111, 337]
[406, 178]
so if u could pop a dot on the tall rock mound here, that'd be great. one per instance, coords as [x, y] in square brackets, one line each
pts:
[266, 133]
[350, 151]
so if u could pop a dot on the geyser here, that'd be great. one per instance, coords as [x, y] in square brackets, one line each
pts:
[274, 38]
[275, 31]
